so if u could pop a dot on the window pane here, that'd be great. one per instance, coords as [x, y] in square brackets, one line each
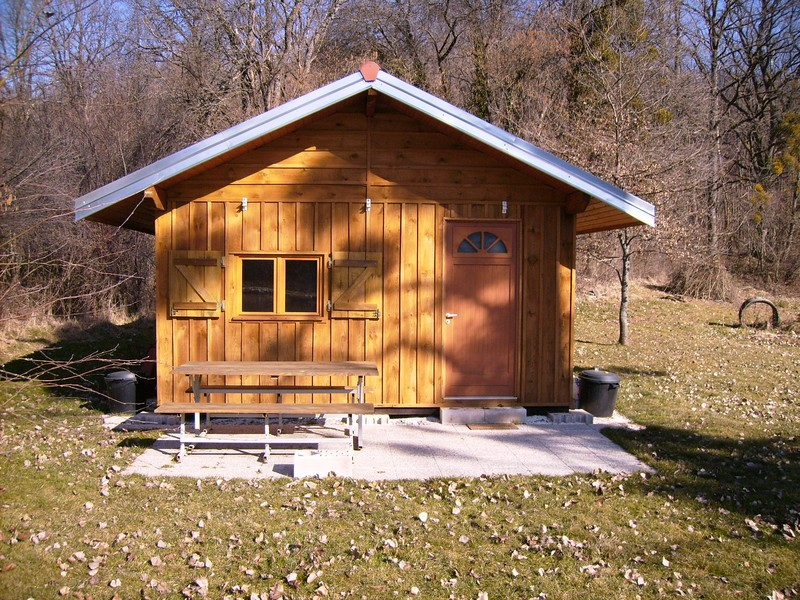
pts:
[466, 248]
[258, 286]
[301, 286]
[476, 238]
[498, 248]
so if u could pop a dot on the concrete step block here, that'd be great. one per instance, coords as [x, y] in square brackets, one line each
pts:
[465, 415]
[509, 414]
[573, 416]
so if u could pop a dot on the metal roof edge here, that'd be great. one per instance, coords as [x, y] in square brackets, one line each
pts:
[218, 144]
[513, 146]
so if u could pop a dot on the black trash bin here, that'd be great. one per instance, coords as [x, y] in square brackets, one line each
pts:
[121, 387]
[598, 392]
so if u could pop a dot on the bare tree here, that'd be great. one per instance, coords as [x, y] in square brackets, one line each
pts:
[711, 21]
[787, 170]
[623, 85]
[237, 58]
[23, 24]
[68, 123]
[762, 73]
[748, 55]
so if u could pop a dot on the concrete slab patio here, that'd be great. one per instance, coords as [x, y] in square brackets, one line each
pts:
[406, 449]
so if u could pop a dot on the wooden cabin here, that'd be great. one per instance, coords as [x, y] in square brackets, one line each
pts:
[371, 221]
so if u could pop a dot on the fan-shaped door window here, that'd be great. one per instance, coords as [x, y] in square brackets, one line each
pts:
[479, 242]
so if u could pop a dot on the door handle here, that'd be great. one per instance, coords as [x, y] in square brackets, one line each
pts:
[450, 315]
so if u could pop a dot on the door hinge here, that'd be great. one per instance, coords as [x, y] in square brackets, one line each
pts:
[222, 306]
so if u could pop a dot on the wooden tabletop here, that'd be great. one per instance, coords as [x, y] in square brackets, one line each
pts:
[276, 367]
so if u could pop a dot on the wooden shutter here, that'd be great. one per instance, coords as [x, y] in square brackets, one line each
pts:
[195, 283]
[356, 285]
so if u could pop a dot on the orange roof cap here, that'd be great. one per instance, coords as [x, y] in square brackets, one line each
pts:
[369, 70]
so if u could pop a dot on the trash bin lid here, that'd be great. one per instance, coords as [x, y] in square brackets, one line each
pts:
[599, 376]
[120, 376]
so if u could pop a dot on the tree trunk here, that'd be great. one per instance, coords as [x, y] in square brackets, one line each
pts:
[624, 274]
[712, 198]
[793, 211]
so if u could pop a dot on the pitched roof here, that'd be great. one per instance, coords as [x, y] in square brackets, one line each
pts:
[122, 203]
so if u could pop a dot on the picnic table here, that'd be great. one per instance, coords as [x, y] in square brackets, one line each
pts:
[199, 373]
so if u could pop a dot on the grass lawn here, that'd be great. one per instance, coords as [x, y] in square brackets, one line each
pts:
[720, 518]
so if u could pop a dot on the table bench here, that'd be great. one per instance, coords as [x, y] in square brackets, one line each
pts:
[277, 390]
[273, 369]
[260, 408]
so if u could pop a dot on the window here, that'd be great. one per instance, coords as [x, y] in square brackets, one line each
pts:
[272, 286]
[482, 241]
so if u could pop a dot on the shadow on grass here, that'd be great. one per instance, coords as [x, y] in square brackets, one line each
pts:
[593, 343]
[748, 476]
[668, 291]
[137, 441]
[89, 402]
[620, 370]
[77, 363]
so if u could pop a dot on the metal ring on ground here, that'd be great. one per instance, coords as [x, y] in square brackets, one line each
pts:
[776, 319]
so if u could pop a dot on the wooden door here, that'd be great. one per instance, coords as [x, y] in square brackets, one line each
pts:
[481, 309]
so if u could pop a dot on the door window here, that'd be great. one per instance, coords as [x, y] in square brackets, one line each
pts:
[479, 242]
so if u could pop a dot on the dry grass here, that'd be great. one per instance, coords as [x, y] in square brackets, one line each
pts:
[702, 280]
[719, 519]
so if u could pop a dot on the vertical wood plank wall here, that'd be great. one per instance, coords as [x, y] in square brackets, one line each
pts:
[306, 191]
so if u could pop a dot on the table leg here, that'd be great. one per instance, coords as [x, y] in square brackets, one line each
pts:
[266, 437]
[279, 430]
[181, 439]
[360, 392]
[194, 380]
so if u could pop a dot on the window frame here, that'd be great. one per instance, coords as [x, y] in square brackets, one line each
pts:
[236, 286]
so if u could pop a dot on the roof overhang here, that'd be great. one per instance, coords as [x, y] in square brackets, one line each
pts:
[133, 200]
